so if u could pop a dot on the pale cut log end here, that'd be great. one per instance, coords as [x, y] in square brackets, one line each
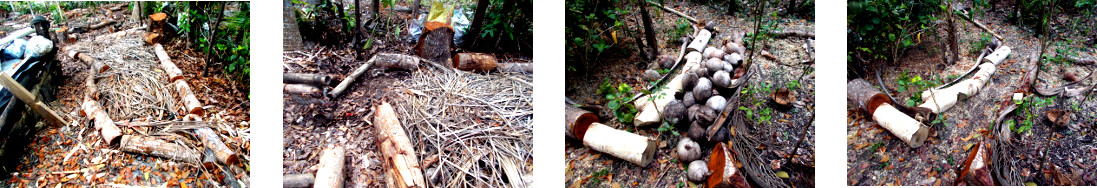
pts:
[902, 126]
[624, 145]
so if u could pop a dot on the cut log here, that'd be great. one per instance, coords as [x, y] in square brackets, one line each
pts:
[999, 54]
[436, 42]
[526, 68]
[479, 62]
[174, 73]
[724, 172]
[700, 42]
[906, 128]
[119, 34]
[153, 38]
[301, 89]
[786, 34]
[91, 62]
[102, 24]
[329, 174]
[975, 171]
[939, 100]
[298, 180]
[400, 157]
[211, 141]
[631, 147]
[577, 121]
[382, 60]
[305, 78]
[189, 100]
[649, 113]
[683, 15]
[157, 147]
[864, 96]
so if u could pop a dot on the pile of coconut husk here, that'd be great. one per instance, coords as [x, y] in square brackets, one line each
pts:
[470, 129]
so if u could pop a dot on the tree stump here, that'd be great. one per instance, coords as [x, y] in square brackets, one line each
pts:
[436, 42]
[155, 32]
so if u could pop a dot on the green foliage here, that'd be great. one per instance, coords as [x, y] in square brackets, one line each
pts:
[668, 127]
[1028, 113]
[878, 28]
[681, 28]
[793, 85]
[915, 84]
[514, 24]
[984, 39]
[589, 27]
[617, 97]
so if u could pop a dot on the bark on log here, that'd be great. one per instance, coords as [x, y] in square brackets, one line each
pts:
[864, 96]
[649, 110]
[631, 147]
[301, 89]
[101, 24]
[298, 180]
[400, 157]
[577, 121]
[479, 62]
[91, 62]
[189, 100]
[174, 73]
[330, 171]
[91, 109]
[382, 60]
[436, 42]
[156, 147]
[907, 129]
[975, 170]
[319, 80]
[649, 31]
[1082, 61]
[291, 35]
[724, 172]
[211, 141]
[526, 68]
[786, 34]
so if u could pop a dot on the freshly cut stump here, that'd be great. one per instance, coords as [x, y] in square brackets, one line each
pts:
[436, 42]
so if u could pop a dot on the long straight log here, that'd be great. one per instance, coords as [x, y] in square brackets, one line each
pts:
[399, 155]
[101, 24]
[305, 78]
[382, 60]
[330, 171]
[174, 73]
[805, 34]
[981, 26]
[189, 100]
[156, 147]
[132, 31]
[526, 68]
[298, 180]
[301, 89]
[631, 147]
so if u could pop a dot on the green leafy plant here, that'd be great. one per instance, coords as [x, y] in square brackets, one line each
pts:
[877, 29]
[618, 96]
[668, 127]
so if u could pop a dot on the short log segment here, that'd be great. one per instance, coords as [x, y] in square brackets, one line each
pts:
[301, 89]
[631, 147]
[479, 62]
[91, 108]
[211, 141]
[975, 167]
[865, 97]
[724, 172]
[119, 34]
[382, 60]
[91, 62]
[399, 155]
[298, 180]
[330, 171]
[189, 100]
[174, 73]
[516, 67]
[577, 121]
[157, 147]
[319, 80]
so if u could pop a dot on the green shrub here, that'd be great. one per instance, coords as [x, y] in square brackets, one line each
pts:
[878, 29]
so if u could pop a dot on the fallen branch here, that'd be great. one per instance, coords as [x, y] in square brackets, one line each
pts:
[305, 78]
[383, 60]
[683, 15]
[329, 173]
[981, 26]
[91, 62]
[400, 157]
[939, 100]
[156, 147]
[786, 34]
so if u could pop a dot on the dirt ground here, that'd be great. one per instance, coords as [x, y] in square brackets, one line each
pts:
[312, 122]
[589, 168]
[875, 157]
[74, 155]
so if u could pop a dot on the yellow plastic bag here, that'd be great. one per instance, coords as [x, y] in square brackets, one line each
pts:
[440, 13]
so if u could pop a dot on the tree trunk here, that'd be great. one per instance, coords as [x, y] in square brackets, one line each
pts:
[156, 147]
[400, 157]
[298, 180]
[329, 173]
[508, 5]
[952, 36]
[357, 32]
[375, 9]
[291, 35]
[477, 22]
[649, 31]
[436, 42]
[135, 8]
